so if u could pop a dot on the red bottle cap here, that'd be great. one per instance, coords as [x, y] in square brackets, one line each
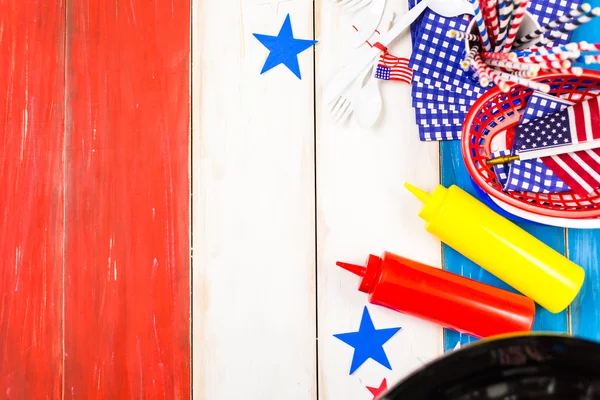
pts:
[368, 273]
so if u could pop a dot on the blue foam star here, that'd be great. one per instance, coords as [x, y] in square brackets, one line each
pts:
[284, 48]
[368, 342]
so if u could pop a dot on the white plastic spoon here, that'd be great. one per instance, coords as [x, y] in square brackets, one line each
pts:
[369, 103]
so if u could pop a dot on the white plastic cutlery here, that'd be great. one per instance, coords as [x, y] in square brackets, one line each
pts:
[345, 105]
[369, 102]
[370, 22]
[366, 56]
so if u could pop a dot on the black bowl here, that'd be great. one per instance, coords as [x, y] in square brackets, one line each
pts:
[531, 367]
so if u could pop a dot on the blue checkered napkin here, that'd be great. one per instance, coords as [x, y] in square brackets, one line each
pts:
[426, 97]
[437, 132]
[434, 105]
[422, 92]
[541, 104]
[436, 57]
[426, 116]
[533, 176]
[435, 60]
[426, 85]
[501, 170]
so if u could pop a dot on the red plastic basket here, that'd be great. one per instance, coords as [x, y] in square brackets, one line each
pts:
[494, 114]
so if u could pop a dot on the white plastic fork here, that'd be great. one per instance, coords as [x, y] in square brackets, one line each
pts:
[342, 107]
[350, 6]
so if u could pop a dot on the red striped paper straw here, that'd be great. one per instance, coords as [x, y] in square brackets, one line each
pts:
[491, 19]
[550, 57]
[577, 71]
[591, 46]
[566, 64]
[502, 85]
[517, 66]
[542, 87]
[500, 56]
[515, 24]
[484, 79]
[593, 59]
[560, 53]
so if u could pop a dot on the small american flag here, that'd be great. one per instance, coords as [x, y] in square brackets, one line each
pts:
[392, 68]
[580, 170]
[573, 129]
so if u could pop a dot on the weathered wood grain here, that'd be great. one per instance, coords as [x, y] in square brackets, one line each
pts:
[583, 244]
[254, 207]
[363, 208]
[127, 294]
[32, 198]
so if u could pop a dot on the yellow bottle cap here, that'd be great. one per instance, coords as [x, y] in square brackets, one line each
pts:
[419, 193]
[431, 202]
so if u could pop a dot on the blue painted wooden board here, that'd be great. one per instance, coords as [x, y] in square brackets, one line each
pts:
[453, 171]
[580, 246]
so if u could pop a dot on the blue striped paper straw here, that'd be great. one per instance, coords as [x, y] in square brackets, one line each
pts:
[568, 48]
[504, 17]
[524, 53]
[485, 39]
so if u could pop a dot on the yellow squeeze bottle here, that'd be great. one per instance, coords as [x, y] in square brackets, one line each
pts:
[500, 247]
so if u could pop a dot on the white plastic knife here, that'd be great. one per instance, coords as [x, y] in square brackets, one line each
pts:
[367, 56]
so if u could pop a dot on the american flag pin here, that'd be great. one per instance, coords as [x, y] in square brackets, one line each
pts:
[392, 68]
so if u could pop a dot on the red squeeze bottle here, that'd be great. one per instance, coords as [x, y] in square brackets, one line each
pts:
[442, 297]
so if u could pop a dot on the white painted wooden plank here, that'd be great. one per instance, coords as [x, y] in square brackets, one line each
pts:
[254, 322]
[363, 208]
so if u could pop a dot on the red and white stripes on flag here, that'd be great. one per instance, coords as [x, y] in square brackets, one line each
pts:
[579, 170]
[584, 119]
[392, 68]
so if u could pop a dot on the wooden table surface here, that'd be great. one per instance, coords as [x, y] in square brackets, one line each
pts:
[115, 283]
[284, 193]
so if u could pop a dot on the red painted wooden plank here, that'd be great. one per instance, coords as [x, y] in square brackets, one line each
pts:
[127, 295]
[31, 198]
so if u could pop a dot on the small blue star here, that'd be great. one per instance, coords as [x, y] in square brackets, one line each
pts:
[284, 48]
[368, 342]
